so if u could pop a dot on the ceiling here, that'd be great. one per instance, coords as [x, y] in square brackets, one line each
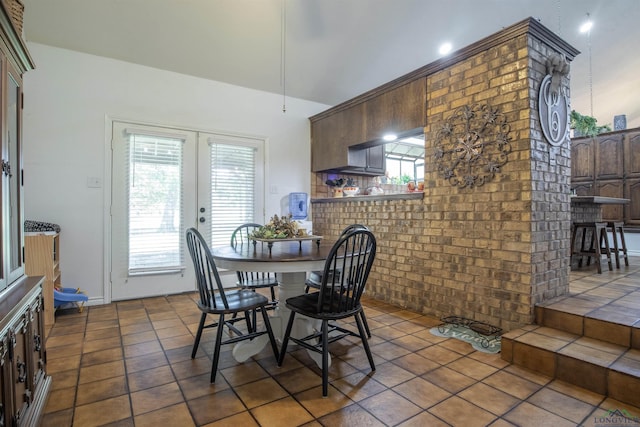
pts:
[337, 49]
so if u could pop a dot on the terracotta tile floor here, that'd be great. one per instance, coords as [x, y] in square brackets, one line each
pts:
[128, 364]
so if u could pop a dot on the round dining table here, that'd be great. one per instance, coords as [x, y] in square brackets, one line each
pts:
[290, 260]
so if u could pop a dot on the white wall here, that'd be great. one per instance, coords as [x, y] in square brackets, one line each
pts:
[67, 101]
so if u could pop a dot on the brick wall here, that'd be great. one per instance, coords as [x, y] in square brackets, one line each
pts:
[488, 252]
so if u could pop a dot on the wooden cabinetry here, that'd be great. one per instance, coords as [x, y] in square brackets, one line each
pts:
[42, 258]
[339, 136]
[368, 161]
[396, 111]
[331, 137]
[608, 165]
[24, 382]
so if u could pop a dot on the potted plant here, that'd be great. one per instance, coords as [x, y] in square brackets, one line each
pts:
[586, 125]
[351, 188]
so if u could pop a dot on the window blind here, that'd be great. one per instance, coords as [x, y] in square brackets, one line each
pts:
[233, 184]
[155, 203]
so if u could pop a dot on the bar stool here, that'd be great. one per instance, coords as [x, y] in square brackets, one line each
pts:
[618, 227]
[598, 246]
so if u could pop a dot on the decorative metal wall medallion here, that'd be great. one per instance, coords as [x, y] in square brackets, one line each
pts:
[472, 145]
[553, 103]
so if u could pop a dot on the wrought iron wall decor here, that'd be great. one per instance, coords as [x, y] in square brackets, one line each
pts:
[553, 102]
[472, 145]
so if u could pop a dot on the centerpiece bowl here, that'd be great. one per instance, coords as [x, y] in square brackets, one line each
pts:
[350, 191]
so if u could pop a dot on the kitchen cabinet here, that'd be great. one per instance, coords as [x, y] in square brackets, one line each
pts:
[582, 161]
[609, 165]
[396, 111]
[332, 136]
[376, 160]
[343, 138]
[367, 161]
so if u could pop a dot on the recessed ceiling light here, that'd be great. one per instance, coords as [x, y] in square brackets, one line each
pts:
[445, 48]
[390, 137]
[586, 27]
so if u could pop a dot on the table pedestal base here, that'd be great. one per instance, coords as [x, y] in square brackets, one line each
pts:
[291, 285]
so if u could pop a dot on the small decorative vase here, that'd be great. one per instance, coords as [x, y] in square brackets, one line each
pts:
[337, 192]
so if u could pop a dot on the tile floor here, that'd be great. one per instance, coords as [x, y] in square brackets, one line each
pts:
[590, 337]
[128, 364]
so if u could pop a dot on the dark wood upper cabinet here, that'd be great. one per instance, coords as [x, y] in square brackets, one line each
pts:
[632, 155]
[609, 157]
[367, 161]
[337, 137]
[332, 136]
[399, 110]
[582, 160]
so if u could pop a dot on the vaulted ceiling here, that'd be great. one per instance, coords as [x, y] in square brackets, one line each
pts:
[333, 50]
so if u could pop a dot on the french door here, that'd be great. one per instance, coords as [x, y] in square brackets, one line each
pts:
[166, 180]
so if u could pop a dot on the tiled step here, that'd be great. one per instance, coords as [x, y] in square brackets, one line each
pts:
[616, 323]
[585, 351]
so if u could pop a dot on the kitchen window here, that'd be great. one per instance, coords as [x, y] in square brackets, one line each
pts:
[405, 160]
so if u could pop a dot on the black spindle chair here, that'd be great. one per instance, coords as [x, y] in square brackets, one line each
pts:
[315, 277]
[216, 301]
[250, 279]
[338, 298]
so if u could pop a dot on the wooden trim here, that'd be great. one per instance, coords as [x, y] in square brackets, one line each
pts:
[529, 26]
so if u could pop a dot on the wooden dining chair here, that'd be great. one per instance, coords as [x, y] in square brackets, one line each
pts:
[214, 300]
[315, 277]
[338, 298]
[250, 279]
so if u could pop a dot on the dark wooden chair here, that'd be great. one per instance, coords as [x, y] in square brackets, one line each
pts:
[315, 277]
[216, 301]
[338, 298]
[250, 279]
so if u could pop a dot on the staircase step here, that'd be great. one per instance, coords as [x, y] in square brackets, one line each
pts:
[614, 323]
[603, 367]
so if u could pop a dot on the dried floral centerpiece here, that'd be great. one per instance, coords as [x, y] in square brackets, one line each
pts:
[282, 228]
[278, 228]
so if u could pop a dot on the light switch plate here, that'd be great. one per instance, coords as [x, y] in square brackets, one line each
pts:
[94, 182]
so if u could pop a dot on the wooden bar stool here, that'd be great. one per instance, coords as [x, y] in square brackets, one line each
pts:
[617, 227]
[598, 245]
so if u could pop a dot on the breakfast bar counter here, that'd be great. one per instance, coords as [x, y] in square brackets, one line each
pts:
[370, 198]
[599, 200]
[590, 208]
